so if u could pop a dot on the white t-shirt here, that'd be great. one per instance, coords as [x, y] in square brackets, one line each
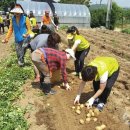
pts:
[104, 77]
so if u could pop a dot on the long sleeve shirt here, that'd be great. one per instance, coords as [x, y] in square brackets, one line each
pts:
[57, 60]
[10, 31]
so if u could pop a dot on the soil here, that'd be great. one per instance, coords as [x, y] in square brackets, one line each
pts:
[54, 112]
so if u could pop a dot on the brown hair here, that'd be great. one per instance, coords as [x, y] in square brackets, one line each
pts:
[53, 40]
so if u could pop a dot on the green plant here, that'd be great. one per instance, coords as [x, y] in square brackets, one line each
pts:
[126, 31]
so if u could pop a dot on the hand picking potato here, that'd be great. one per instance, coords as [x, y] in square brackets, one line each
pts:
[81, 121]
[78, 112]
[103, 126]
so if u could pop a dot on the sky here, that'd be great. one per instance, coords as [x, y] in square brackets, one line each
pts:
[121, 3]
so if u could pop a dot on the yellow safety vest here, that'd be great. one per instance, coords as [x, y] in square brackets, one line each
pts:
[1, 19]
[33, 22]
[104, 64]
[84, 43]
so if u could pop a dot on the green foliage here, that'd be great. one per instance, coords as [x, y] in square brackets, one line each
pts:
[98, 15]
[12, 77]
[64, 27]
[5, 4]
[86, 2]
[116, 13]
[126, 31]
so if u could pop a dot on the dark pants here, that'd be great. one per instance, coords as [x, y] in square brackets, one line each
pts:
[2, 26]
[110, 82]
[79, 62]
[21, 49]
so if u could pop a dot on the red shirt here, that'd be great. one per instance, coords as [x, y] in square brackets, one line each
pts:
[57, 60]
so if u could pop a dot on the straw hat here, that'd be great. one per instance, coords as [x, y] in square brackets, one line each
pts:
[17, 9]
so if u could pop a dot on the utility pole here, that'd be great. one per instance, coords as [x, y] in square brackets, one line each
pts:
[109, 7]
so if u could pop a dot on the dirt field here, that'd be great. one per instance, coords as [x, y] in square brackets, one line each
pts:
[54, 112]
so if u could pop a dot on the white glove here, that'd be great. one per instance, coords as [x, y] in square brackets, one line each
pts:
[77, 99]
[66, 85]
[89, 103]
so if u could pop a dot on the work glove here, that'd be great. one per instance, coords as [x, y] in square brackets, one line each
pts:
[90, 102]
[76, 101]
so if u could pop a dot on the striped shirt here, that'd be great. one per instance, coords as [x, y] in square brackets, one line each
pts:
[57, 60]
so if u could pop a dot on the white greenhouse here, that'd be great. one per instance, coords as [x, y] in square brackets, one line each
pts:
[69, 14]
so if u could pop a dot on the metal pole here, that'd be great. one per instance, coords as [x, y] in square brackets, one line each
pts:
[109, 6]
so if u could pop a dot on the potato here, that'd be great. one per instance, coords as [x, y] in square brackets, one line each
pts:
[98, 128]
[92, 114]
[90, 111]
[78, 107]
[81, 121]
[73, 107]
[78, 112]
[94, 119]
[88, 119]
[103, 126]
[82, 105]
[88, 115]
[96, 111]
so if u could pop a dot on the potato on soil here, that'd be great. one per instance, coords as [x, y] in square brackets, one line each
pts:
[88, 115]
[88, 119]
[81, 121]
[96, 111]
[78, 107]
[94, 119]
[98, 128]
[82, 105]
[103, 126]
[73, 107]
[78, 112]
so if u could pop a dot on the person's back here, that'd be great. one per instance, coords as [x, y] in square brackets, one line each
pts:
[39, 41]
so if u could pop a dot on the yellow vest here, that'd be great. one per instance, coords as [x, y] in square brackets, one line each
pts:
[104, 64]
[33, 22]
[84, 43]
[1, 19]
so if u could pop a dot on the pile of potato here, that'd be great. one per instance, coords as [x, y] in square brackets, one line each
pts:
[91, 115]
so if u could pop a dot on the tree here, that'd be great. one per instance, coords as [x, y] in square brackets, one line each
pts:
[5, 4]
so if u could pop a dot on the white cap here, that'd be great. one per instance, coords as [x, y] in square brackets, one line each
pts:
[71, 53]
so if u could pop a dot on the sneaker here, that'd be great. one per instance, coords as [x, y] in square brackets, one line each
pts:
[20, 63]
[52, 92]
[100, 106]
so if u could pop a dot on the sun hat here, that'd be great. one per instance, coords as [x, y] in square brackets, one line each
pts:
[71, 53]
[70, 36]
[17, 9]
